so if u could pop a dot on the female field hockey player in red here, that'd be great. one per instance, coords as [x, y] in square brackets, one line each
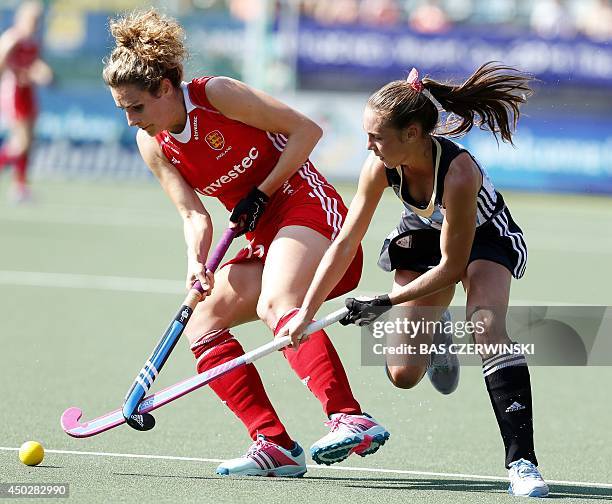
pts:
[454, 227]
[215, 136]
[22, 69]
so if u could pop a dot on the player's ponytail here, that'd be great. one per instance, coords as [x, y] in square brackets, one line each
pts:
[149, 48]
[489, 98]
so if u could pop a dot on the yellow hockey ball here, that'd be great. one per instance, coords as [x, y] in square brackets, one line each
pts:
[31, 453]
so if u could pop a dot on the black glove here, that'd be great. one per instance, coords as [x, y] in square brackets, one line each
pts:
[363, 312]
[248, 210]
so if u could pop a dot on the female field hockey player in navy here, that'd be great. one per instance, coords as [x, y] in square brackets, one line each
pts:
[215, 136]
[454, 227]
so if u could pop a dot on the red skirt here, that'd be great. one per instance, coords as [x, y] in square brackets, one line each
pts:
[320, 209]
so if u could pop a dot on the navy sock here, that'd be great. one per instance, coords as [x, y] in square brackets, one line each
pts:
[509, 387]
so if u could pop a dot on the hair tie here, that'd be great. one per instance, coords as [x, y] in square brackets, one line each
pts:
[417, 85]
[413, 80]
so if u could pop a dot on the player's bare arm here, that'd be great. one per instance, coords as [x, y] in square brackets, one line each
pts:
[197, 224]
[40, 73]
[8, 40]
[372, 183]
[460, 192]
[238, 101]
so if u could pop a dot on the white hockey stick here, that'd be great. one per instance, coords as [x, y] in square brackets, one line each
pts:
[70, 418]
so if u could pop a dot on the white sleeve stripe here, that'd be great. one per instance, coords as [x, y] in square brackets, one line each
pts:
[518, 243]
[329, 205]
[275, 141]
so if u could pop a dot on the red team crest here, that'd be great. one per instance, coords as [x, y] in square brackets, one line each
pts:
[215, 140]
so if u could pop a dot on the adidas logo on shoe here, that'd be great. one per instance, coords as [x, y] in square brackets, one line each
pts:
[265, 458]
[515, 406]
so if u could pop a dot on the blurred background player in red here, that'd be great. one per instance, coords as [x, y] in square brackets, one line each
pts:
[218, 137]
[22, 70]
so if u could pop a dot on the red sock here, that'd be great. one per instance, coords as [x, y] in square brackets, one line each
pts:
[241, 389]
[21, 166]
[316, 362]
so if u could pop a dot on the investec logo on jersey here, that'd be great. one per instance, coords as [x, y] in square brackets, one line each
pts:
[234, 173]
[196, 136]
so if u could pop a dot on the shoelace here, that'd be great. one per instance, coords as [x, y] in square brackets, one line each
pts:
[527, 470]
[334, 423]
[258, 445]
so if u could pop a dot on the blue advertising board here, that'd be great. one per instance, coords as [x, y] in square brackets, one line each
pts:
[81, 133]
[381, 54]
[576, 157]
[558, 148]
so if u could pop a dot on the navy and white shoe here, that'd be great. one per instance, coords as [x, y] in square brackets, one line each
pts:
[359, 434]
[526, 480]
[443, 371]
[265, 458]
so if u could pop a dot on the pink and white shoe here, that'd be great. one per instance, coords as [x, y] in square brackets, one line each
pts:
[265, 458]
[359, 434]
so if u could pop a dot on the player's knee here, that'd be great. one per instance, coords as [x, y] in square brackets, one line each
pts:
[489, 327]
[264, 309]
[269, 311]
[405, 377]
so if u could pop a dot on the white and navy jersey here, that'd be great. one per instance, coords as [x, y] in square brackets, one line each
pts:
[415, 243]
[431, 215]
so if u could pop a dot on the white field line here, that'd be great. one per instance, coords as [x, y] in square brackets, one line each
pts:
[101, 216]
[160, 286]
[322, 468]
[92, 219]
[94, 282]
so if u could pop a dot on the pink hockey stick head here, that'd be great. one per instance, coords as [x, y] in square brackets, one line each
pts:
[70, 419]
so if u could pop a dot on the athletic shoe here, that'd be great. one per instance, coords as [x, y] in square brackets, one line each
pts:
[359, 434]
[526, 480]
[20, 195]
[443, 371]
[265, 458]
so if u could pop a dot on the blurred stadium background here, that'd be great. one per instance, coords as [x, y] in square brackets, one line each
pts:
[325, 57]
[91, 271]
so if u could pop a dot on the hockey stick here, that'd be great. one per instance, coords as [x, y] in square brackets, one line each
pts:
[166, 344]
[70, 418]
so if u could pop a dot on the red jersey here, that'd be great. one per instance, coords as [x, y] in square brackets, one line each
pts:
[18, 98]
[225, 158]
[20, 59]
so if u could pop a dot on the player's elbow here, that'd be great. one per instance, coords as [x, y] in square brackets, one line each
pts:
[315, 131]
[454, 270]
[192, 216]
